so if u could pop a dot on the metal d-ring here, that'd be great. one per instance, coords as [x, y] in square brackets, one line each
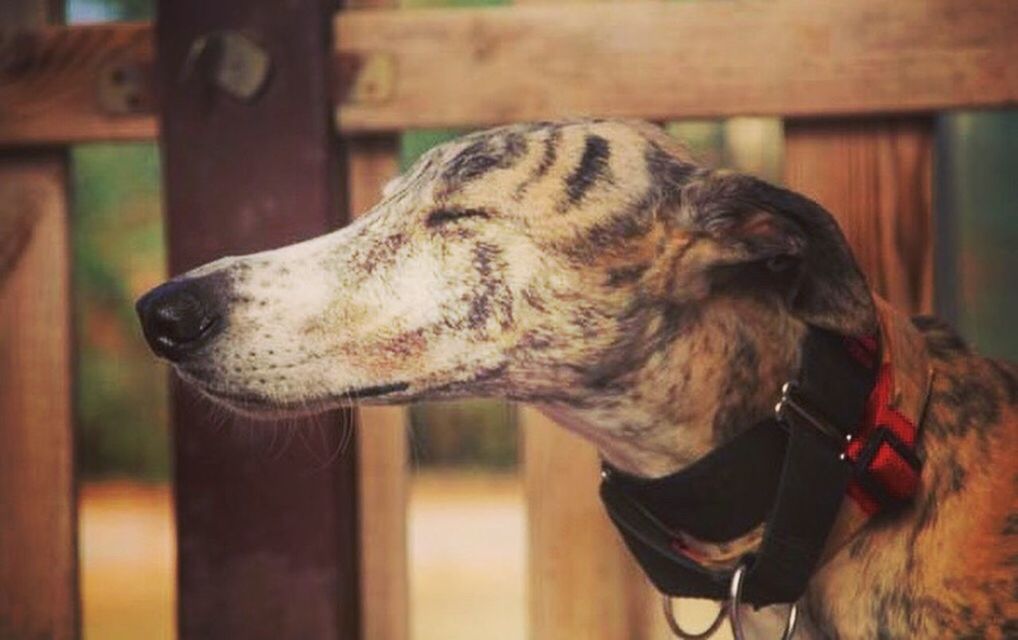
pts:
[730, 607]
[679, 632]
[735, 600]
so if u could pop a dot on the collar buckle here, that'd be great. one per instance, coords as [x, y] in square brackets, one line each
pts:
[794, 405]
[887, 469]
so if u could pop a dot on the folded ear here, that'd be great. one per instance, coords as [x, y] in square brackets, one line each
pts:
[751, 221]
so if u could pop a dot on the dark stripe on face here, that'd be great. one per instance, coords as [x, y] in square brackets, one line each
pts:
[638, 340]
[487, 154]
[620, 276]
[667, 174]
[737, 405]
[450, 214]
[381, 252]
[593, 168]
[491, 295]
[551, 143]
[618, 229]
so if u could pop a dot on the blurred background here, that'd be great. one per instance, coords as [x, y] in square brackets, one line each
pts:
[467, 527]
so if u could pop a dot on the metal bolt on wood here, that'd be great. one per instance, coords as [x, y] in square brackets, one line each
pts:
[230, 61]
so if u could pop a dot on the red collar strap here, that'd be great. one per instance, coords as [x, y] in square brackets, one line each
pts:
[884, 452]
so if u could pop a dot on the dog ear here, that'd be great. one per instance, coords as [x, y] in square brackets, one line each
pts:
[792, 240]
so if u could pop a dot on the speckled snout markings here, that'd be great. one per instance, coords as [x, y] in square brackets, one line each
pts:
[651, 305]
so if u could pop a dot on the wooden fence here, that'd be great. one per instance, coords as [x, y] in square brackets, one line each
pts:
[266, 551]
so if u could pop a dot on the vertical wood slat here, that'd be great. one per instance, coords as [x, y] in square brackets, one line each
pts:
[38, 519]
[582, 581]
[39, 595]
[382, 444]
[874, 176]
[267, 540]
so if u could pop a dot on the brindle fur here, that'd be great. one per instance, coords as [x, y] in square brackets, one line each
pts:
[591, 268]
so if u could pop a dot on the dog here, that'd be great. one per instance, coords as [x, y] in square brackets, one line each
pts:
[653, 306]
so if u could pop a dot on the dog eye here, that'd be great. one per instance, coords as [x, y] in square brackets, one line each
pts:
[441, 216]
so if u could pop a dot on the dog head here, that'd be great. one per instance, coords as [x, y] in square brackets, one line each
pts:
[570, 264]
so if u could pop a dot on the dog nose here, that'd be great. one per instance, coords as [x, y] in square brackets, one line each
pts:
[180, 317]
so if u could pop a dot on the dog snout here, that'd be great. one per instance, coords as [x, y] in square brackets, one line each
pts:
[181, 316]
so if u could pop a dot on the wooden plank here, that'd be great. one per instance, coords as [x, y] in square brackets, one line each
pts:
[653, 60]
[38, 519]
[382, 444]
[268, 541]
[76, 84]
[874, 175]
[582, 582]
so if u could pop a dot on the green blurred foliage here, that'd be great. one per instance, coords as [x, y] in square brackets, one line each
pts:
[131, 9]
[413, 144]
[424, 4]
[750, 145]
[117, 240]
[105, 10]
[978, 195]
[467, 433]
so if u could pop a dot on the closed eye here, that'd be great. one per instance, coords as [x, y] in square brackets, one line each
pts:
[442, 216]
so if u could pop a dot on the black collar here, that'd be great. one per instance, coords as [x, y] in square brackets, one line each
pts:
[788, 472]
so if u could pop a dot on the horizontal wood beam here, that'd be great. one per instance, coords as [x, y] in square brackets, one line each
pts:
[400, 69]
[658, 61]
[63, 85]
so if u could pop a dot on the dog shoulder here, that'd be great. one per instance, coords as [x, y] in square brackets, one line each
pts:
[964, 527]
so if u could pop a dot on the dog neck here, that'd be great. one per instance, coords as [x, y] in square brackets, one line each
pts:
[720, 377]
[723, 378]
[733, 392]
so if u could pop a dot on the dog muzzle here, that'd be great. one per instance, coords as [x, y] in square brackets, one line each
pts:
[840, 449]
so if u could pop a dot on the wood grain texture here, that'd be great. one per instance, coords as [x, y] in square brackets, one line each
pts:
[267, 540]
[874, 176]
[16, 224]
[401, 69]
[38, 520]
[76, 84]
[382, 443]
[659, 60]
[582, 581]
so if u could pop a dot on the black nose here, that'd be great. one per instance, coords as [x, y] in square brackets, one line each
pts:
[180, 317]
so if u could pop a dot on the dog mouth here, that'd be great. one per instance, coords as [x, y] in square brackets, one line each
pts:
[259, 406]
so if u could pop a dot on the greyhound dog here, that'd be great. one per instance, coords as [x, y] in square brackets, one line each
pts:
[654, 307]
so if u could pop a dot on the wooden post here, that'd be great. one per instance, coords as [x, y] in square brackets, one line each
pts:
[268, 542]
[382, 440]
[874, 176]
[38, 518]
